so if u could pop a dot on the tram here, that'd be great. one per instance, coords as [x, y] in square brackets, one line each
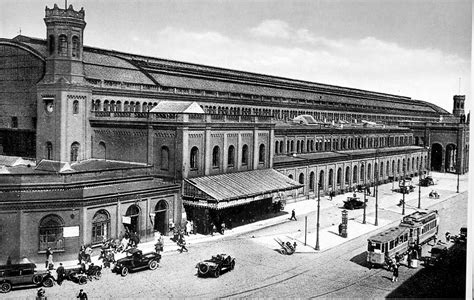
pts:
[414, 230]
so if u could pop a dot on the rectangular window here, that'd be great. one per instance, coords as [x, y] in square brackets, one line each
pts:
[14, 122]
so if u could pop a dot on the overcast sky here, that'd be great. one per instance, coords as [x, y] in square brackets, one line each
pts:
[413, 48]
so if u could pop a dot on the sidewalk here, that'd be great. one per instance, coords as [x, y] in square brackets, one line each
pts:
[328, 237]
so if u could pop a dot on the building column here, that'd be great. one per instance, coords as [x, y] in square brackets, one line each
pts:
[255, 148]
[271, 141]
[207, 151]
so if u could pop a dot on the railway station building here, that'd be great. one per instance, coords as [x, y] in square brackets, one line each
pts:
[95, 142]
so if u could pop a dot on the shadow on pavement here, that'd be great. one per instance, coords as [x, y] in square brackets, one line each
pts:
[360, 259]
[444, 280]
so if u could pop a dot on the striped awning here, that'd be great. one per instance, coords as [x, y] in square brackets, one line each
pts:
[232, 189]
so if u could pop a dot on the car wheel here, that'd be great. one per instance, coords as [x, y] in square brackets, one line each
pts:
[48, 282]
[6, 287]
[217, 273]
[232, 265]
[82, 280]
[37, 279]
[124, 271]
[203, 268]
[153, 265]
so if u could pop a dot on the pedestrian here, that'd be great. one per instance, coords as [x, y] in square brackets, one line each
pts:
[293, 215]
[222, 228]
[193, 229]
[213, 229]
[49, 258]
[82, 295]
[40, 295]
[61, 273]
[395, 273]
[158, 242]
[448, 235]
[182, 244]
[340, 229]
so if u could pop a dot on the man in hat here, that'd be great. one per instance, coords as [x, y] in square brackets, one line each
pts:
[82, 295]
[61, 273]
[40, 294]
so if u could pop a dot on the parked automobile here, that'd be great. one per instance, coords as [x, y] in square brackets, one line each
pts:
[21, 274]
[215, 265]
[438, 253]
[353, 203]
[427, 181]
[136, 260]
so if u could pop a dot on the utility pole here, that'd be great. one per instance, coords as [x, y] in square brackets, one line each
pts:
[376, 190]
[317, 219]
[365, 204]
[458, 162]
[419, 183]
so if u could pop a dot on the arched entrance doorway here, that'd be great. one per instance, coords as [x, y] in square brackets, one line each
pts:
[450, 160]
[321, 180]
[160, 223]
[436, 157]
[133, 212]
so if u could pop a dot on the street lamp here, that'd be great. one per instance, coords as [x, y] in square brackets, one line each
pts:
[376, 190]
[365, 204]
[317, 219]
[419, 183]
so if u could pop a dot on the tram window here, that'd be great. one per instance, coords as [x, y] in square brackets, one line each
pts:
[390, 246]
[406, 237]
[396, 242]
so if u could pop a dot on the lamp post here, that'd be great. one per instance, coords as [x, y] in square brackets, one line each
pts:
[317, 219]
[365, 204]
[376, 190]
[458, 162]
[419, 184]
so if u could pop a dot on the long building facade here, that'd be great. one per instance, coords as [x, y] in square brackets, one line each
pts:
[170, 139]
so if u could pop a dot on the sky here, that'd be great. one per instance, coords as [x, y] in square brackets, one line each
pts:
[415, 48]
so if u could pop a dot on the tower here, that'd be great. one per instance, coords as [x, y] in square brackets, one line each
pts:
[63, 97]
[458, 105]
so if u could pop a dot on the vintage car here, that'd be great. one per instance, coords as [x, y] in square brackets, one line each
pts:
[353, 203]
[136, 260]
[427, 181]
[215, 265]
[438, 253]
[21, 274]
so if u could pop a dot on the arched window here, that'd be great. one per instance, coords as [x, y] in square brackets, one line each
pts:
[321, 179]
[102, 151]
[261, 154]
[281, 147]
[215, 157]
[49, 150]
[381, 169]
[62, 45]
[354, 175]
[418, 163]
[75, 46]
[194, 158]
[118, 106]
[106, 105]
[348, 174]
[165, 153]
[413, 164]
[51, 233]
[97, 105]
[393, 167]
[74, 151]
[51, 44]
[362, 173]
[311, 182]
[408, 164]
[404, 166]
[231, 156]
[330, 178]
[100, 226]
[398, 167]
[369, 172]
[75, 107]
[297, 146]
[145, 107]
[292, 146]
[245, 155]
[126, 106]
[301, 178]
[112, 106]
[339, 176]
[276, 147]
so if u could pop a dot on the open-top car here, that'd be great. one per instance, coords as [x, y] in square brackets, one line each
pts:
[136, 260]
[21, 274]
[427, 181]
[215, 265]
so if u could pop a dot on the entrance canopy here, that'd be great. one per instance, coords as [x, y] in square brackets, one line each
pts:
[226, 190]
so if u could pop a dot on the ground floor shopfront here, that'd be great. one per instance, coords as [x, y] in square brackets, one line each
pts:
[64, 218]
[234, 199]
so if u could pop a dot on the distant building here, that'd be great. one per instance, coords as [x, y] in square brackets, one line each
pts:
[128, 142]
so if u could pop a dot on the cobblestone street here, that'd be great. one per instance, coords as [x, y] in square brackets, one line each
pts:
[263, 272]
